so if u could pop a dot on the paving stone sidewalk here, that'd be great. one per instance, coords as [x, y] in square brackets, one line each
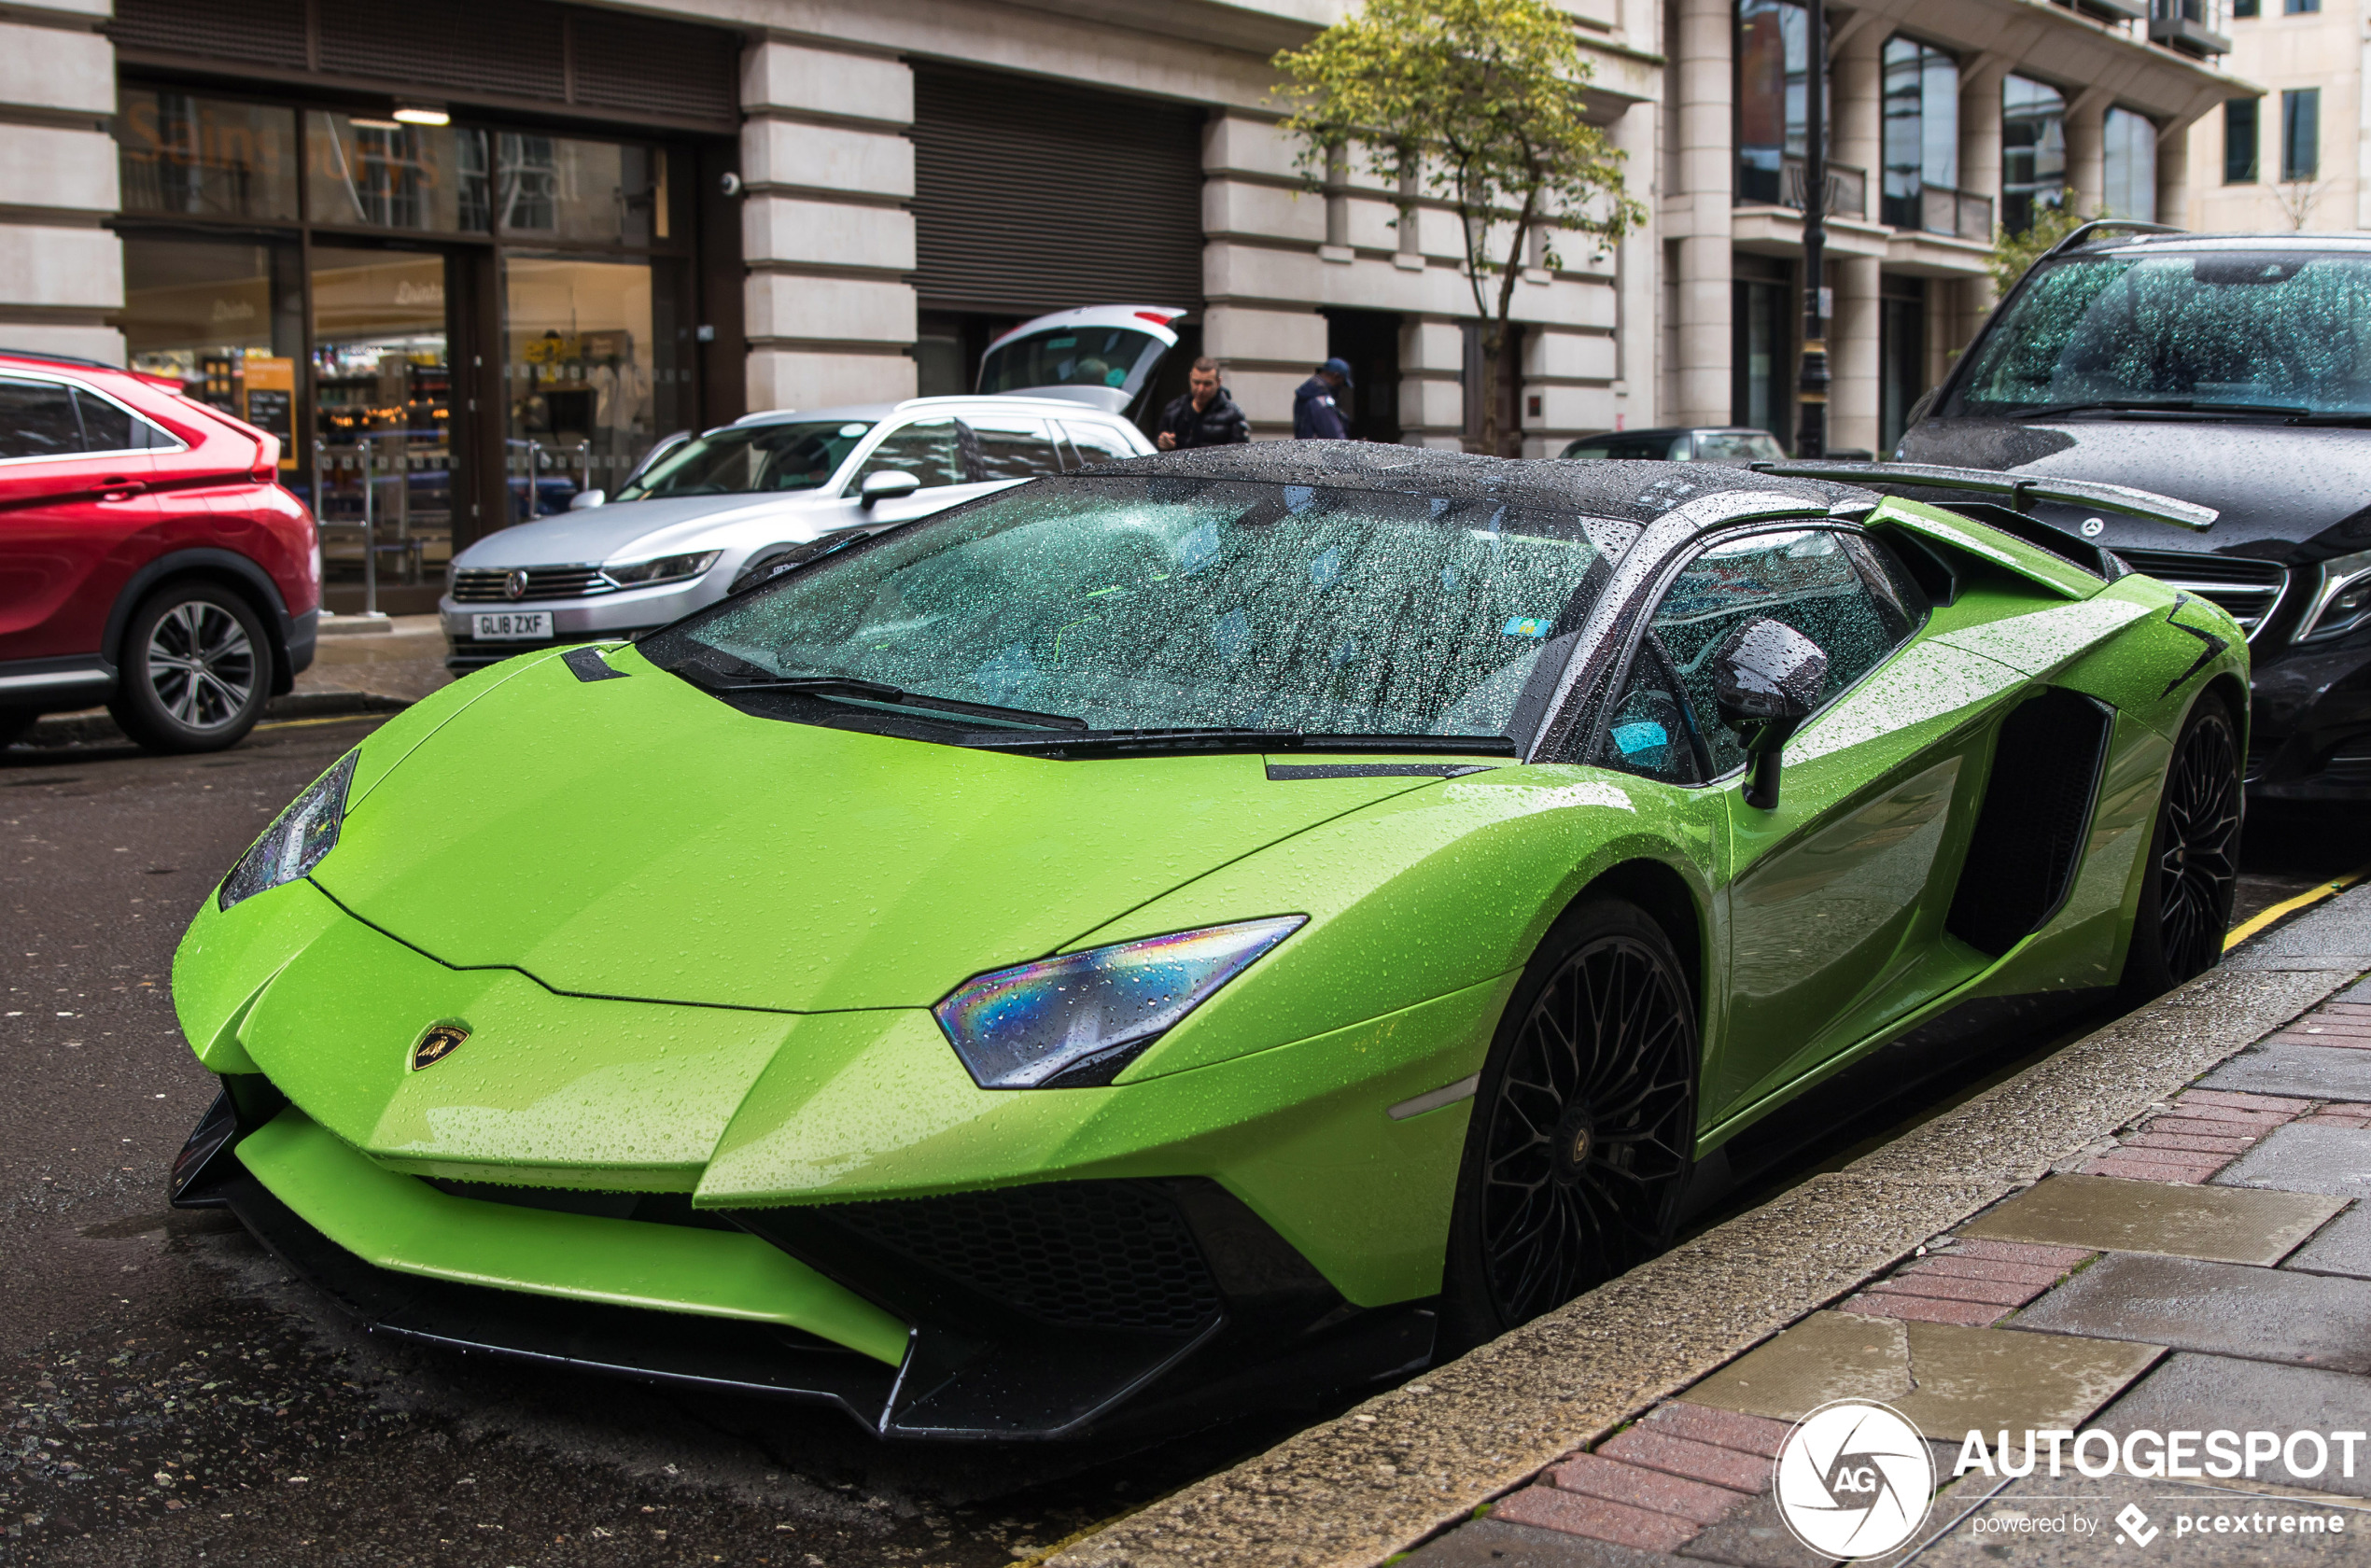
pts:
[2208, 1266]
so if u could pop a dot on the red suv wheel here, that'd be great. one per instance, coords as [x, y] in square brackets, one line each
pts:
[196, 671]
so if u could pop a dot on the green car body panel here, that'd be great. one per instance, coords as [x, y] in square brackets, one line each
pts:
[695, 950]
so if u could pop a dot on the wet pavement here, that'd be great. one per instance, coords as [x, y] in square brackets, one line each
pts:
[176, 1398]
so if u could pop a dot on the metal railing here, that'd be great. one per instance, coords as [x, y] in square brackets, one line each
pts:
[1938, 209]
[382, 480]
[1847, 187]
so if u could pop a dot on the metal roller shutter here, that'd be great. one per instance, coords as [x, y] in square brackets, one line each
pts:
[1032, 198]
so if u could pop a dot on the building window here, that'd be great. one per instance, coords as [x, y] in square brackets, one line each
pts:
[1901, 355]
[2297, 8]
[2301, 134]
[2239, 140]
[1761, 362]
[1921, 135]
[2033, 151]
[2245, 10]
[1773, 41]
[2128, 165]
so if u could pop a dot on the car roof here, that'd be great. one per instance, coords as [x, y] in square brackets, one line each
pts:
[2286, 240]
[1632, 491]
[1673, 431]
[977, 402]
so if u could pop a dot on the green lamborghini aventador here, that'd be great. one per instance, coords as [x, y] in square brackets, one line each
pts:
[1240, 920]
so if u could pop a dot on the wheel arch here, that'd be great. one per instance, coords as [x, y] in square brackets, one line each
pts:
[2228, 685]
[1668, 901]
[224, 568]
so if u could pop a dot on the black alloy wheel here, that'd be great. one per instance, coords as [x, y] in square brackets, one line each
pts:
[1583, 1130]
[2194, 870]
[196, 671]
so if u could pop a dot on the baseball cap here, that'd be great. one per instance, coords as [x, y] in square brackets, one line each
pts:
[1340, 366]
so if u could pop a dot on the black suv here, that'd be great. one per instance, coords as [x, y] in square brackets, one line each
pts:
[2229, 369]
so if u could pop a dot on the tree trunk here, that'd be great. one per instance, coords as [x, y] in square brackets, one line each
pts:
[1494, 344]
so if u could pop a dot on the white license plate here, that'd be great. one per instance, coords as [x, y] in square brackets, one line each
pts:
[513, 625]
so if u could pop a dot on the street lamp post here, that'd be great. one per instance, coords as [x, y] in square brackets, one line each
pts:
[1811, 385]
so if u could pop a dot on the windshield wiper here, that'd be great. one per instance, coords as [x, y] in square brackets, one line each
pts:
[898, 697]
[2165, 405]
[1223, 738]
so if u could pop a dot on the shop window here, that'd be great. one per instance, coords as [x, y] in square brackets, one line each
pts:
[593, 192]
[598, 364]
[2128, 165]
[2301, 134]
[1774, 40]
[1921, 132]
[206, 157]
[385, 174]
[2033, 151]
[382, 385]
[2239, 127]
[227, 318]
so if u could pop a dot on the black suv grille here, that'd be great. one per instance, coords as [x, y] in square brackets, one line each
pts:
[2247, 588]
[1088, 1254]
[489, 585]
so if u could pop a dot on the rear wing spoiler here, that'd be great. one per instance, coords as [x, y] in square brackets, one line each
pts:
[2021, 491]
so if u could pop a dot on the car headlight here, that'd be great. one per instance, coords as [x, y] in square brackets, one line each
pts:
[667, 569]
[297, 839]
[1072, 1020]
[2342, 601]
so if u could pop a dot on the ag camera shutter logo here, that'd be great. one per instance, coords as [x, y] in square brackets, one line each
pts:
[1855, 1479]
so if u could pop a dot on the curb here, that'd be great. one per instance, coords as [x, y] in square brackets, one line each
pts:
[98, 729]
[1386, 1475]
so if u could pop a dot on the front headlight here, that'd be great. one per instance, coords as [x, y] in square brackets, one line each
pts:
[297, 839]
[2342, 601]
[667, 569]
[1075, 1020]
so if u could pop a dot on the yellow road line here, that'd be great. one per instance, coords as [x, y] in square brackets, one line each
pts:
[2286, 907]
[333, 718]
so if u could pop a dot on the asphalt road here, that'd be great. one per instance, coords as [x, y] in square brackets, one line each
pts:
[174, 1398]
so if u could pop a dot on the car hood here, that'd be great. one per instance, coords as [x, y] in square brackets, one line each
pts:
[2275, 484]
[638, 529]
[638, 839]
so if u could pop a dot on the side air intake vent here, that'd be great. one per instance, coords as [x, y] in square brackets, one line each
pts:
[2036, 807]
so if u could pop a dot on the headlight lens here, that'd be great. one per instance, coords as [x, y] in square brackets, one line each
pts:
[2343, 600]
[1063, 1018]
[667, 569]
[297, 839]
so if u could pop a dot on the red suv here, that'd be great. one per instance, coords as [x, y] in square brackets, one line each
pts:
[150, 557]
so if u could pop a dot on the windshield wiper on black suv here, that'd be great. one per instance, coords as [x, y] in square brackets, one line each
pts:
[1223, 738]
[2162, 405]
[897, 696]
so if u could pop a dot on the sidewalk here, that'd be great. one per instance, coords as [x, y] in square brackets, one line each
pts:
[2155, 1228]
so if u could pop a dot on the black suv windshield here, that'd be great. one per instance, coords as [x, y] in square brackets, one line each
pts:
[750, 460]
[2270, 331]
[1132, 604]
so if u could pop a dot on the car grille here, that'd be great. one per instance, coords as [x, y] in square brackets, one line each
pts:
[488, 585]
[1088, 1254]
[2247, 588]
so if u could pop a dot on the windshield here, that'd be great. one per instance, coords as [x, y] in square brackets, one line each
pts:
[1170, 603]
[748, 459]
[1073, 357]
[2261, 329]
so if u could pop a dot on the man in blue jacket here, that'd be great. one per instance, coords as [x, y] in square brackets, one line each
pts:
[1317, 411]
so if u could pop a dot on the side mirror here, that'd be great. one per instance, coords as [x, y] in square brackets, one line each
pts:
[583, 498]
[887, 484]
[1766, 680]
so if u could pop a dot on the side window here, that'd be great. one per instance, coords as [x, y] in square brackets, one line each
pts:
[1649, 732]
[1096, 444]
[929, 449]
[38, 419]
[1013, 449]
[1807, 578]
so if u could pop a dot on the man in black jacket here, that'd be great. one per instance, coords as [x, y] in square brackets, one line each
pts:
[1205, 415]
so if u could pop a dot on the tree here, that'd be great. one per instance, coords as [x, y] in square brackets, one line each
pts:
[1484, 104]
[2012, 254]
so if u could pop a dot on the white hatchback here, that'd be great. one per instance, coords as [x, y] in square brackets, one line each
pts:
[708, 514]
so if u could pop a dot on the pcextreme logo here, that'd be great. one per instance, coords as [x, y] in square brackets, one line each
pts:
[1855, 1479]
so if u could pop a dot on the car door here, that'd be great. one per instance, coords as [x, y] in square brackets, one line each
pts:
[1836, 897]
[72, 492]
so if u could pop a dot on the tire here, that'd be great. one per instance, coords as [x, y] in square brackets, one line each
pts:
[1583, 1129]
[196, 670]
[2193, 859]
